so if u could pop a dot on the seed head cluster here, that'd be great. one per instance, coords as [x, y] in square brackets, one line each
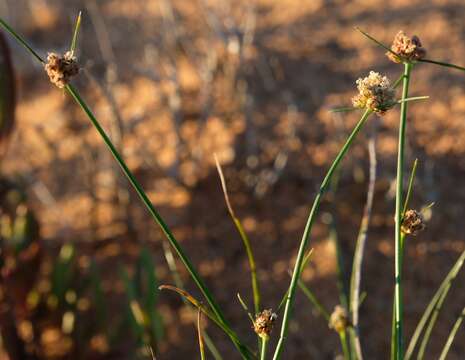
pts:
[263, 324]
[60, 69]
[412, 223]
[339, 319]
[375, 93]
[408, 48]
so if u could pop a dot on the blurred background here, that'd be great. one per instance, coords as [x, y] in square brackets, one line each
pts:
[174, 81]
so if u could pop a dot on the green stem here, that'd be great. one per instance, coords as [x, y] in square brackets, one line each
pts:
[398, 81]
[432, 322]
[410, 186]
[340, 273]
[451, 336]
[399, 194]
[393, 332]
[356, 276]
[156, 216]
[264, 348]
[169, 257]
[245, 240]
[313, 299]
[345, 348]
[415, 98]
[306, 234]
[20, 40]
[252, 265]
[75, 34]
[199, 330]
[443, 287]
[442, 64]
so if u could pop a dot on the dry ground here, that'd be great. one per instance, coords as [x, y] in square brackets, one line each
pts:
[184, 88]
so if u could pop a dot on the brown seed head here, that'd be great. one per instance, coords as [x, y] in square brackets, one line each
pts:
[263, 323]
[339, 319]
[408, 48]
[374, 93]
[60, 69]
[412, 223]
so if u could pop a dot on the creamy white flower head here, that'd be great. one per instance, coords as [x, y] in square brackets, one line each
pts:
[374, 93]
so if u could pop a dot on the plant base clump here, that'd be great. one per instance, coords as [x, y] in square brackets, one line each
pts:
[61, 69]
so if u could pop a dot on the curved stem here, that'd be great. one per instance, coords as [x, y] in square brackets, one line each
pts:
[398, 217]
[245, 352]
[245, 240]
[443, 287]
[306, 234]
[156, 216]
[452, 334]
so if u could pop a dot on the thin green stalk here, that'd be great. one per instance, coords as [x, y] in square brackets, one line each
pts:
[199, 282]
[393, 331]
[156, 216]
[399, 194]
[206, 311]
[18, 38]
[245, 307]
[379, 43]
[343, 109]
[442, 64]
[245, 240]
[431, 323]
[199, 332]
[451, 336]
[359, 250]
[313, 299]
[415, 98]
[246, 354]
[429, 309]
[398, 81]
[169, 257]
[211, 346]
[410, 186]
[345, 348]
[404, 208]
[264, 348]
[340, 278]
[75, 35]
[306, 234]
[307, 258]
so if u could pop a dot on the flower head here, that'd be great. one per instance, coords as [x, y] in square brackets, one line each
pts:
[339, 319]
[60, 69]
[263, 323]
[408, 48]
[412, 223]
[375, 93]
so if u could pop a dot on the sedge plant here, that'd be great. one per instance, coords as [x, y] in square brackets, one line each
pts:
[407, 51]
[60, 71]
[376, 96]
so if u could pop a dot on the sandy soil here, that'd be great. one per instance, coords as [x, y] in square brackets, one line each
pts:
[181, 87]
